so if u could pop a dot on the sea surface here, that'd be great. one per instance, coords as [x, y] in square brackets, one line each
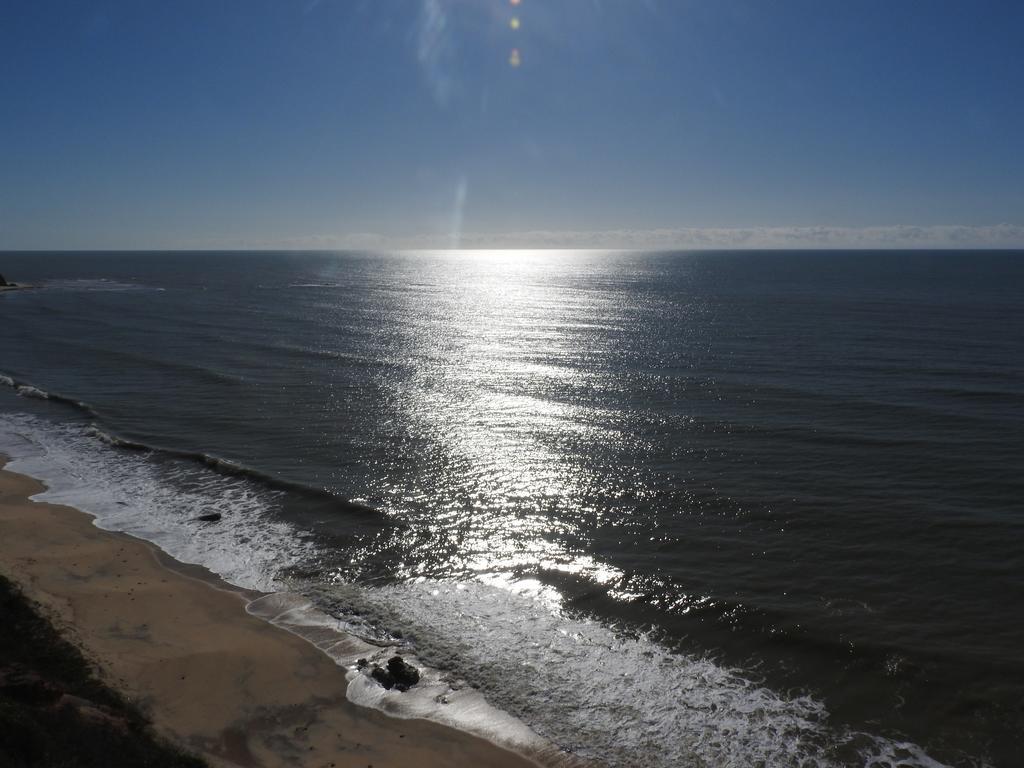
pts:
[667, 509]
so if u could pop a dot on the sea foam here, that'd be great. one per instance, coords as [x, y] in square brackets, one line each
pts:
[26, 391]
[125, 491]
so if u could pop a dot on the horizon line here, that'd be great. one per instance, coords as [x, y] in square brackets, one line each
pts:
[999, 236]
[551, 249]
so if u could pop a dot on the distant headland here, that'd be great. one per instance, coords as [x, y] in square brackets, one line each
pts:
[6, 286]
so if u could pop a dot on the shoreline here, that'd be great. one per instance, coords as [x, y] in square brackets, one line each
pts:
[213, 677]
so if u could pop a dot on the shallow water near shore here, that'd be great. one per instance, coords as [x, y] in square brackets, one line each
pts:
[667, 509]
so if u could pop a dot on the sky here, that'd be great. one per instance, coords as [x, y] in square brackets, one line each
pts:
[302, 124]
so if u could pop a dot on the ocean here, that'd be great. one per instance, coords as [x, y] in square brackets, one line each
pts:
[666, 509]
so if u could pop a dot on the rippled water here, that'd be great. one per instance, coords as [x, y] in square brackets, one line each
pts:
[708, 508]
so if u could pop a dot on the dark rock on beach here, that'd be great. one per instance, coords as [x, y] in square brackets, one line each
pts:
[212, 517]
[399, 674]
[405, 674]
[383, 677]
[2, 281]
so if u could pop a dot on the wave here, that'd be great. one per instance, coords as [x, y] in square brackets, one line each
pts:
[304, 352]
[98, 284]
[189, 369]
[234, 469]
[222, 466]
[25, 389]
[157, 501]
[603, 693]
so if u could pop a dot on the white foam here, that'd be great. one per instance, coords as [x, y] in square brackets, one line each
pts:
[622, 699]
[617, 698]
[435, 697]
[885, 753]
[298, 615]
[28, 391]
[7, 381]
[127, 492]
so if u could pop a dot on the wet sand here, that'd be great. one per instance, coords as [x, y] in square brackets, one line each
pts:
[179, 643]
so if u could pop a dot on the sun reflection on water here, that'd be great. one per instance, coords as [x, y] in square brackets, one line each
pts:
[494, 398]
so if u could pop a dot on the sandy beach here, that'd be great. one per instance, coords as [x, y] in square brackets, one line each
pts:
[219, 682]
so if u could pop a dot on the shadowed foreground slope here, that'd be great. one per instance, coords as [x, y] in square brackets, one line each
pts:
[53, 710]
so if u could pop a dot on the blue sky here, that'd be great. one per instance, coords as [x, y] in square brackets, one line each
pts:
[402, 123]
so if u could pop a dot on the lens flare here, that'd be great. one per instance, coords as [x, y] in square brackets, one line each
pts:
[513, 58]
[514, 23]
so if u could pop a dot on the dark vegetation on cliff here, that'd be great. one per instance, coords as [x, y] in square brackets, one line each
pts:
[54, 711]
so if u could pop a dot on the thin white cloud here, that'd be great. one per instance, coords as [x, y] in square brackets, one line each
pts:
[434, 49]
[684, 238]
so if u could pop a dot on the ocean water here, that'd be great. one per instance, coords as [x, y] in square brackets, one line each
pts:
[666, 509]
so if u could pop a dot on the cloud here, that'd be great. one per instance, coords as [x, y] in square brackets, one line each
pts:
[434, 49]
[684, 238]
